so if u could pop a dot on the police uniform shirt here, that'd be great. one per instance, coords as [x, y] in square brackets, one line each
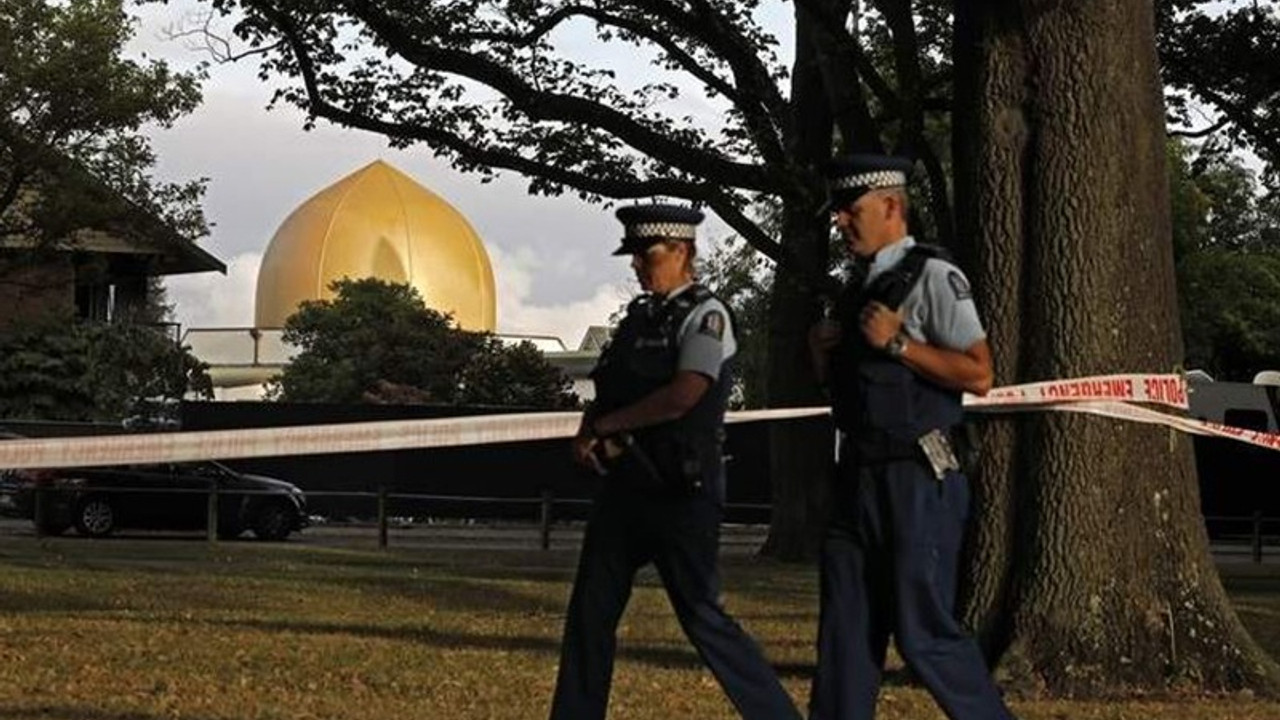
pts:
[939, 310]
[706, 337]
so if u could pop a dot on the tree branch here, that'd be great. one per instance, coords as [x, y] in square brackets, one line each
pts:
[1240, 113]
[1202, 132]
[471, 153]
[902, 27]
[547, 106]
[214, 45]
[648, 32]
[838, 55]
[764, 111]
[832, 23]
[784, 256]
[911, 93]
[770, 120]
[539, 30]
[757, 97]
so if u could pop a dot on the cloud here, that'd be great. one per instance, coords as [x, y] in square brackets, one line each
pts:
[212, 300]
[514, 274]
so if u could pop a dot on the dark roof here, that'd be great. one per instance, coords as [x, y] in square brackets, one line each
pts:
[126, 227]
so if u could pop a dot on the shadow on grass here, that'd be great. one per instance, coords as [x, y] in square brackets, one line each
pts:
[405, 573]
[891, 677]
[79, 712]
[449, 593]
[663, 657]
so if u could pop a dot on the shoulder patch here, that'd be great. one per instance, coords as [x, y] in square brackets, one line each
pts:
[959, 286]
[712, 324]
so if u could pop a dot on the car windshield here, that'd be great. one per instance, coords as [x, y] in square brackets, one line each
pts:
[207, 468]
[221, 468]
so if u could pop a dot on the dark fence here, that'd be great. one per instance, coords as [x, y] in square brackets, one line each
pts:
[1239, 535]
[497, 480]
[546, 510]
[1251, 534]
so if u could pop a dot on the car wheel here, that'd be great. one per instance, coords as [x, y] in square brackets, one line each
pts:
[95, 517]
[273, 521]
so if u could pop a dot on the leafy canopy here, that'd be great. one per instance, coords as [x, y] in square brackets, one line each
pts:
[59, 369]
[1227, 247]
[1220, 62]
[376, 334]
[71, 107]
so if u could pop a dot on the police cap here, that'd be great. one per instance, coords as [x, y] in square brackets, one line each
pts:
[849, 177]
[645, 225]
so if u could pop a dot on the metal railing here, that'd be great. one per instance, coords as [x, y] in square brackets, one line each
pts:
[1252, 531]
[1248, 530]
[546, 504]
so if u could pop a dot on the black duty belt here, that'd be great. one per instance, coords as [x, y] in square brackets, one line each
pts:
[872, 446]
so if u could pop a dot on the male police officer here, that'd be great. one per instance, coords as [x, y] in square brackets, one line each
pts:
[907, 342]
[655, 432]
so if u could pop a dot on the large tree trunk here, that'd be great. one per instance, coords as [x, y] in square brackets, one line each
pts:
[800, 452]
[1091, 569]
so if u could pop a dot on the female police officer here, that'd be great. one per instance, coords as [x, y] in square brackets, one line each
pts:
[655, 432]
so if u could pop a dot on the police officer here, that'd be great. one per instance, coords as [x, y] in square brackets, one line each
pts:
[906, 342]
[654, 432]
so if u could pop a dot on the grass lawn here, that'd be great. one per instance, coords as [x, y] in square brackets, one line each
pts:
[148, 629]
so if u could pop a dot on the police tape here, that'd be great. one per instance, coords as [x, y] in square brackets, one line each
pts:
[1193, 426]
[1113, 396]
[1169, 390]
[1121, 397]
[105, 450]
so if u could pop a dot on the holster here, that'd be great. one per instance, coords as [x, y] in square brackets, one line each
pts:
[665, 467]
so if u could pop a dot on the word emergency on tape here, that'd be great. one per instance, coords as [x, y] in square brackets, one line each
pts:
[1167, 390]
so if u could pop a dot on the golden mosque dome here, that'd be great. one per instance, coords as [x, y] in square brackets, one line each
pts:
[377, 222]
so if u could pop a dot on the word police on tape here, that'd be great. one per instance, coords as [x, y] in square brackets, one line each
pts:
[1167, 390]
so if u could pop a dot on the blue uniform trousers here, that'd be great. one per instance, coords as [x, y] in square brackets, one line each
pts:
[681, 537]
[889, 567]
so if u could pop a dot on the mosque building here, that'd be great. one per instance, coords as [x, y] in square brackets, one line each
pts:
[375, 222]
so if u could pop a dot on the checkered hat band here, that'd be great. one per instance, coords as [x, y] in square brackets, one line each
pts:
[682, 231]
[876, 179]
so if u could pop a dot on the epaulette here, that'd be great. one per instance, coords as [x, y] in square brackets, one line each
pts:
[639, 302]
[929, 250]
[893, 285]
[694, 296]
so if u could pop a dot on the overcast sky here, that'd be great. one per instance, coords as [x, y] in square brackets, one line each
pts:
[550, 255]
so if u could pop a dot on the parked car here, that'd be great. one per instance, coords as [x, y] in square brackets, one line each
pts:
[98, 501]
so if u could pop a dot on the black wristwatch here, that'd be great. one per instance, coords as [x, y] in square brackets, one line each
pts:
[896, 347]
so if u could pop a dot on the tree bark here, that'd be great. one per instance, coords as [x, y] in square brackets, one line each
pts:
[800, 452]
[1090, 568]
